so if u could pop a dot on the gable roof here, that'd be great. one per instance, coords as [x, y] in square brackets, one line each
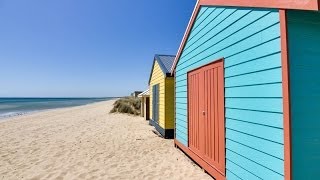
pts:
[165, 62]
[144, 93]
[278, 4]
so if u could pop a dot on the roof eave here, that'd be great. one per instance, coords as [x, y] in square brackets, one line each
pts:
[144, 93]
[277, 4]
[154, 61]
[163, 69]
[185, 36]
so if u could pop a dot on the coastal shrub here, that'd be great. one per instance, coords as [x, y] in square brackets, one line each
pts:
[113, 110]
[126, 108]
[128, 105]
[136, 102]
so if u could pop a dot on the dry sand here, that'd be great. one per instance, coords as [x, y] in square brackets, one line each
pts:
[86, 142]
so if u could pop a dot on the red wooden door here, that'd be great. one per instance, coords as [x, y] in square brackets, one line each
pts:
[206, 114]
[195, 119]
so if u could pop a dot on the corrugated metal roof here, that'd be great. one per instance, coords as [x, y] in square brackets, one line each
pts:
[166, 61]
[144, 93]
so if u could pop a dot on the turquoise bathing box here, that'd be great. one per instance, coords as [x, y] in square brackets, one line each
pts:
[247, 89]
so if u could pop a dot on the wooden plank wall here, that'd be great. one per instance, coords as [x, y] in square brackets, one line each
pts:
[158, 77]
[249, 40]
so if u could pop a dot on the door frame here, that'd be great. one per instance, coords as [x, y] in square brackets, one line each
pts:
[220, 60]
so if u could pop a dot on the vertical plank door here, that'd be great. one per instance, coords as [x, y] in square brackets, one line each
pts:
[195, 107]
[206, 119]
[214, 125]
[155, 103]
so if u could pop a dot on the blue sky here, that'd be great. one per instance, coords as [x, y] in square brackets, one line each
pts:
[85, 48]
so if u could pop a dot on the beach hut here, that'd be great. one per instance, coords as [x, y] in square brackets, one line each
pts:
[161, 85]
[145, 104]
[247, 89]
[135, 94]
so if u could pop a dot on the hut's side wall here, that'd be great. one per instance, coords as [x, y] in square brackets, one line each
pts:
[304, 64]
[169, 104]
[249, 40]
[158, 77]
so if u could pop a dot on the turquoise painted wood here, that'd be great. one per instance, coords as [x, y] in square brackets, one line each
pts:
[249, 40]
[267, 119]
[262, 144]
[304, 57]
[262, 172]
[255, 130]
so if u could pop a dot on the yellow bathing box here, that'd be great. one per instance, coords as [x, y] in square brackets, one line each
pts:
[161, 85]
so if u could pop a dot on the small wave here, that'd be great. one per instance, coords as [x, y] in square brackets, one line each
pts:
[12, 114]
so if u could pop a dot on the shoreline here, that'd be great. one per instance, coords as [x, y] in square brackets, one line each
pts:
[21, 114]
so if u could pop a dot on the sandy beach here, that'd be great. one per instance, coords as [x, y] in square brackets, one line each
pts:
[87, 142]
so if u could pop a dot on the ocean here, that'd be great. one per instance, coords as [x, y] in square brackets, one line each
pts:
[18, 106]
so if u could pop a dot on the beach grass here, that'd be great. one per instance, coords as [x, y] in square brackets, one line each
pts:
[127, 105]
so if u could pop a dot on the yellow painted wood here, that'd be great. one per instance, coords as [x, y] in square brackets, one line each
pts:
[169, 103]
[166, 97]
[158, 77]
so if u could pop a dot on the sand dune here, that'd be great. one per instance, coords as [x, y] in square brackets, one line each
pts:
[86, 142]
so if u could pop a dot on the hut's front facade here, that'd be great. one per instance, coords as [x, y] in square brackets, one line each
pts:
[145, 104]
[247, 91]
[161, 85]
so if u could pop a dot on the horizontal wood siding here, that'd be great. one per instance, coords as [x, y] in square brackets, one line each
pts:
[158, 77]
[249, 40]
[304, 59]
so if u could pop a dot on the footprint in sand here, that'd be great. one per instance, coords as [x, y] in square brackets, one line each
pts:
[61, 176]
[80, 163]
[48, 166]
[5, 155]
[95, 170]
[82, 176]
[113, 165]
[59, 154]
[37, 177]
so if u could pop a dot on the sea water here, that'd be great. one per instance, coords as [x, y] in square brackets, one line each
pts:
[18, 106]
